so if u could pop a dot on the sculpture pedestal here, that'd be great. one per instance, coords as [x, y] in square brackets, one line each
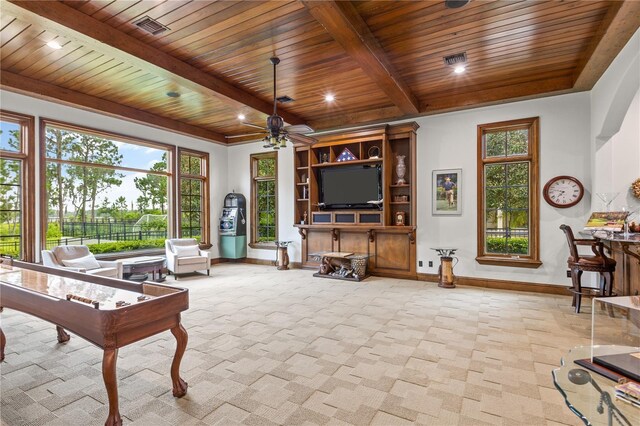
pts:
[282, 255]
[446, 278]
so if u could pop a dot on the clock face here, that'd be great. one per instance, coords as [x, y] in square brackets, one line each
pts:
[563, 191]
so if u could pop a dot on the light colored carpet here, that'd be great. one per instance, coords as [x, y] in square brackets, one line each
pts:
[281, 347]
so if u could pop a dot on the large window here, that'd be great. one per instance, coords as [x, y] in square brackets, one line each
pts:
[508, 193]
[17, 188]
[103, 190]
[194, 191]
[264, 199]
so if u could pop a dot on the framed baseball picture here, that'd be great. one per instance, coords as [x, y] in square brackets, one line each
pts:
[447, 186]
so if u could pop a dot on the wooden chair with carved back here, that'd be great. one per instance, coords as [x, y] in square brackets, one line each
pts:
[598, 262]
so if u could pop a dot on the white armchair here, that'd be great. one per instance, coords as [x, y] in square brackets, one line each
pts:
[183, 256]
[80, 259]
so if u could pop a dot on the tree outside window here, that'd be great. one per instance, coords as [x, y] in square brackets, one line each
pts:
[193, 184]
[508, 202]
[264, 197]
[17, 189]
[104, 191]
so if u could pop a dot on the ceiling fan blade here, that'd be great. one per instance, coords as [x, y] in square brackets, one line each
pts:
[253, 125]
[298, 128]
[245, 135]
[298, 138]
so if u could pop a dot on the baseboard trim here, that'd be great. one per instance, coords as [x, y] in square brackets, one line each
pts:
[502, 284]
[254, 261]
[460, 280]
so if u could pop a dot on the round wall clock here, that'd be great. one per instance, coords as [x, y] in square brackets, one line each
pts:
[563, 191]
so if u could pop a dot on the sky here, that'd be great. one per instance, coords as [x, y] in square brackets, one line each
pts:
[134, 156]
[4, 137]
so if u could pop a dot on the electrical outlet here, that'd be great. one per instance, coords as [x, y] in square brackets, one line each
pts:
[568, 274]
[431, 264]
[420, 263]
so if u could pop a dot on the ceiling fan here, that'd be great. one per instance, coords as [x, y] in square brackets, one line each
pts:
[277, 134]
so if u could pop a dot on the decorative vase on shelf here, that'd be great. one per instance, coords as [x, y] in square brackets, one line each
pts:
[401, 169]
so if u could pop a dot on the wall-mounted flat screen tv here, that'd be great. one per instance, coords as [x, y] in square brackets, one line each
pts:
[350, 187]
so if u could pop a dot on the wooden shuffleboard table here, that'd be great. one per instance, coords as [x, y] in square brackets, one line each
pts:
[108, 313]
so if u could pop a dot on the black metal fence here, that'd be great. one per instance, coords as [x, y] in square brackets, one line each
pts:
[80, 229]
[506, 232]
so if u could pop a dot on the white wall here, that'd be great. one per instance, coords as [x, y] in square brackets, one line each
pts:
[217, 153]
[615, 127]
[450, 141]
[239, 179]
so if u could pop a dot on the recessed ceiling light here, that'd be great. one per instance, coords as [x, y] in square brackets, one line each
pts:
[54, 45]
[459, 69]
[329, 98]
[454, 4]
[241, 117]
[173, 94]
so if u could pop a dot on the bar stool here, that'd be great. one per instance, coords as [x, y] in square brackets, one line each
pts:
[578, 264]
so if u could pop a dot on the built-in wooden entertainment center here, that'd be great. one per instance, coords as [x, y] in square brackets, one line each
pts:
[391, 247]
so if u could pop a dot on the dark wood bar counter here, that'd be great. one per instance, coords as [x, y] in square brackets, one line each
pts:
[626, 251]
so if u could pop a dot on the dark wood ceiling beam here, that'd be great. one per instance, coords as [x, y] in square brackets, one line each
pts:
[28, 86]
[619, 24]
[69, 22]
[346, 26]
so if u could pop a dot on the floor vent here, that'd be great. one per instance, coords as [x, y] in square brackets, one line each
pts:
[151, 25]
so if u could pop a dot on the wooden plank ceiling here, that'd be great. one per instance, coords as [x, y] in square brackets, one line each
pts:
[383, 60]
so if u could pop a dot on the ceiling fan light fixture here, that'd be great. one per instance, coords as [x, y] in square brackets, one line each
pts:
[267, 143]
[275, 123]
[277, 134]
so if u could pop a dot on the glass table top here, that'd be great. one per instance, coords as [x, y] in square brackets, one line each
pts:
[445, 251]
[591, 396]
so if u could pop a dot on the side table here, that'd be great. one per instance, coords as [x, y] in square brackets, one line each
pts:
[137, 268]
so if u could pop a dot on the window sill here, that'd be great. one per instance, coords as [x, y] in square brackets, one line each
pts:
[263, 246]
[135, 253]
[509, 261]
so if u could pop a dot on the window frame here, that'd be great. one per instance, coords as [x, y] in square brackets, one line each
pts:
[170, 173]
[253, 164]
[532, 125]
[26, 155]
[204, 178]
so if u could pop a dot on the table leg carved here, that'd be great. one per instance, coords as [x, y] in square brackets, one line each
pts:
[179, 385]
[153, 309]
[111, 383]
[3, 342]
[63, 337]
